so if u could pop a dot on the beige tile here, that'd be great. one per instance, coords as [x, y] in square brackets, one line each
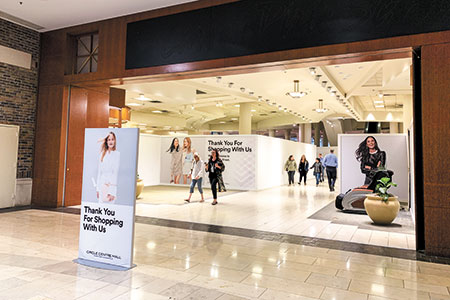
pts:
[177, 264]
[278, 271]
[108, 292]
[218, 272]
[270, 294]
[228, 287]
[329, 281]
[361, 236]
[439, 297]
[419, 277]
[386, 291]
[379, 238]
[285, 285]
[337, 294]
[370, 278]
[414, 285]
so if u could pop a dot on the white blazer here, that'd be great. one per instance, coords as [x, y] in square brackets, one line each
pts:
[108, 171]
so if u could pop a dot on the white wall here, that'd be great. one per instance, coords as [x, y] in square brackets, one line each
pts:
[412, 182]
[272, 154]
[9, 136]
[149, 159]
[395, 146]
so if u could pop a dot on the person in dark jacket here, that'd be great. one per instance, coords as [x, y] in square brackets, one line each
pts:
[318, 170]
[213, 167]
[370, 156]
[303, 168]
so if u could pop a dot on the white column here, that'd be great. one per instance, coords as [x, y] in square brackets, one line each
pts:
[307, 132]
[393, 127]
[245, 118]
[287, 134]
[407, 112]
[272, 132]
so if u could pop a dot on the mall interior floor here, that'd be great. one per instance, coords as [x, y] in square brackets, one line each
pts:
[284, 209]
[38, 248]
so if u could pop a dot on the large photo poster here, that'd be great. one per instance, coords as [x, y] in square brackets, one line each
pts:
[360, 154]
[108, 196]
[237, 153]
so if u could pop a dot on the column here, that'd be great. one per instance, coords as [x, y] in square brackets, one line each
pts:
[317, 134]
[407, 113]
[272, 132]
[307, 134]
[301, 132]
[245, 118]
[393, 127]
[287, 134]
[325, 137]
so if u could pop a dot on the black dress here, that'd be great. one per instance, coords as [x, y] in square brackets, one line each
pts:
[372, 161]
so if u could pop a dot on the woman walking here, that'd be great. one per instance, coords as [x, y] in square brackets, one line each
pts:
[213, 167]
[196, 177]
[290, 166]
[303, 168]
[318, 170]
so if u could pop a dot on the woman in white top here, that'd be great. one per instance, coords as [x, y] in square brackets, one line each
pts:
[188, 158]
[196, 176]
[108, 170]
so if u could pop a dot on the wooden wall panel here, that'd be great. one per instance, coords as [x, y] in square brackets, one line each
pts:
[49, 136]
[436, 145]
[88, 109]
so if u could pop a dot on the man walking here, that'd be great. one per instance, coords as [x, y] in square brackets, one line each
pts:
[330, 162]
[323, 167]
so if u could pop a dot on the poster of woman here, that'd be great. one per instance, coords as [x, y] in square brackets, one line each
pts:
[371, 157]
[108, 169]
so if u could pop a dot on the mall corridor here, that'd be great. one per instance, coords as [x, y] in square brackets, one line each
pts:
[38, 248]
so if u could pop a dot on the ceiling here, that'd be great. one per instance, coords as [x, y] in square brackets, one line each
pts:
[46, 15]
[212, 103]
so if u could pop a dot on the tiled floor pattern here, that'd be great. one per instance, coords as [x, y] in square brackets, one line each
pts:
[37, 249]
[282, 209]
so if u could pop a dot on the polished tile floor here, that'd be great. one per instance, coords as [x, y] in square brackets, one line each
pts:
[282, 209]
[37, 248]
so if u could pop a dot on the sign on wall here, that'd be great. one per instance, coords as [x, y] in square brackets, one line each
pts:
[237, 153]
[108, 197]
[392, 146]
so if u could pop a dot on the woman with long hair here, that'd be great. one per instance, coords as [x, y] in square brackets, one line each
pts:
[303, 168]
[214, 167]
[291, 166]
[188, 158]
[176, 163]
[370, 156]
[108, 169]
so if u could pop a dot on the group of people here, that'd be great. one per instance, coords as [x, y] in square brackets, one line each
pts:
[320, 166]
[187, 162]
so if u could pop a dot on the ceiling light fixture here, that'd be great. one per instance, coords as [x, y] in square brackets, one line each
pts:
[134, 104]
[230, 84]
[296, 93]
[312, 71]
[218, 78]
[285, 110]
[157, 111]
[324, 83]
[279, 107]
[253, 110]
[237, 105]
[329, 89]
[242, 89]
[317, 77]
[378, 101]
[192, 107]
[380, 95]
[320, 109]
[251, 93]
[142, 98]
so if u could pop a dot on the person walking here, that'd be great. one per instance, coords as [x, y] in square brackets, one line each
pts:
[220, 182]
[323, 167]
[303, 168]
[213, 167]
[196, 177]
[318, 170]
[290, 166]
[330, 162]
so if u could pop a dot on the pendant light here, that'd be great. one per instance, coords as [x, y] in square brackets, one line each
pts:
[296, 93]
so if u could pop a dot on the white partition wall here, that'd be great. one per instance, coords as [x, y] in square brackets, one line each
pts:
[149, 159]
[9, 137]
[273, 153]
[253, 162]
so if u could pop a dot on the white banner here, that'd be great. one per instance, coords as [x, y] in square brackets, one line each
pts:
[108, 196]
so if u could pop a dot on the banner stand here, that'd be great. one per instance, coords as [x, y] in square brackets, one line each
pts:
[100, 265]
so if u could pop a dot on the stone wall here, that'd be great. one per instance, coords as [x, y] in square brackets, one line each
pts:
[18, 91]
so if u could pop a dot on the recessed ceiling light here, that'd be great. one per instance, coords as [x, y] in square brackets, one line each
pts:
[222, 122]
[324, 83]
[312, 71]
[253, 110]
[379, 106]
[237, 105]
[230, 84]
[380, 95]
[242, 89]
[192, 107]
[142, 98]
[234, 119]
[317, 77]
[157, 111]
[218, 78]
[378, 101]
[134, 104]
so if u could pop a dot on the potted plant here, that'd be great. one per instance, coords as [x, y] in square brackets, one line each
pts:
[382, 207]
[139, 186]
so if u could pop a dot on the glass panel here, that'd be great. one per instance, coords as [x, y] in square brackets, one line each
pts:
[85, 68]
[84, 45]
[94, 65]
[95, 41]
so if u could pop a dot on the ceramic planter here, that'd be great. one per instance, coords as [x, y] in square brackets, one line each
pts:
[139, 187]
[381, 212]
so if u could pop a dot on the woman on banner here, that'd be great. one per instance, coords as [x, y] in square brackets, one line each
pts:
[108, 170]
[290, 166]
[176, 163]
[214, 167]
[371, 157]
[196, 177]
[303, 168]
[188, 159]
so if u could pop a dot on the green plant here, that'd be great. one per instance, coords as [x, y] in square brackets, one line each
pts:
[382, 187]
